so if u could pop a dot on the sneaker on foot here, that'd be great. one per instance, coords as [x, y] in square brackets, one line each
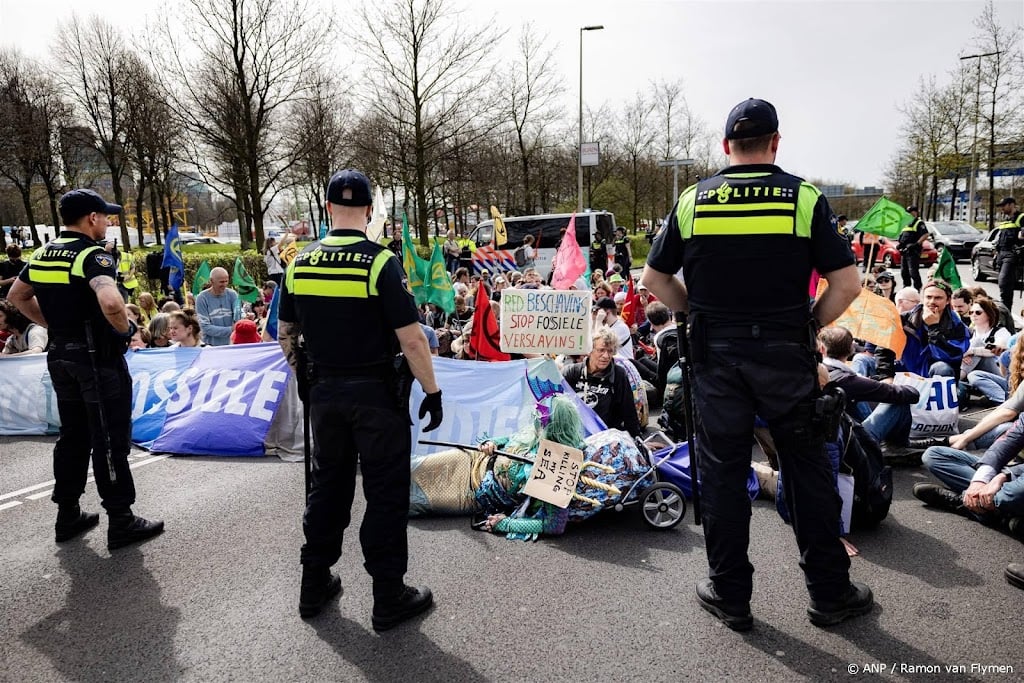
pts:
[72, 521]
[940, 497]
[319, 585]
[392, 611]
[857, 601]
[734, 615]
[126, 529]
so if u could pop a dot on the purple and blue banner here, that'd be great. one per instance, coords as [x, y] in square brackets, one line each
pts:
[210, 401]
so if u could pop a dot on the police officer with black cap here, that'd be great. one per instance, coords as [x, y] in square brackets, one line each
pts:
[69, 287]
[747, 240]
[911, 243]
[347, 297]
[623, 251]
[1009, 240]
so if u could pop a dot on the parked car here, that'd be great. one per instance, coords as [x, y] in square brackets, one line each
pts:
[956, 236]
[886, 250]
[983, 259]
[199, 240]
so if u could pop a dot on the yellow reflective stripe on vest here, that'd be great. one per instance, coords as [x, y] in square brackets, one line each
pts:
[78, 269]
[763, 218]
[747, 225]
[720, 208]
[50, 273]
[350, 283]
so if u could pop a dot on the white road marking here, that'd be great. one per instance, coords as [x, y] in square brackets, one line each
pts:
[48, 484]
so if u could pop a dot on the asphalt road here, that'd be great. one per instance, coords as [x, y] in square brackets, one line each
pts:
[215, 597]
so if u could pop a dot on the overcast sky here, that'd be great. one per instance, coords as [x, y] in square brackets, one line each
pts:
[836, 70]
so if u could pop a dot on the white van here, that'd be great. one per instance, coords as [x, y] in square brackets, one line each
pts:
[547, 233]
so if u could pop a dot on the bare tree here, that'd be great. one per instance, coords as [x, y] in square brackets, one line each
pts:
[92, 60]
[635, 136]
[32, 115]
[427, 65]
[927, 129]
[1001, 80]
[530, 88]
[253, 59]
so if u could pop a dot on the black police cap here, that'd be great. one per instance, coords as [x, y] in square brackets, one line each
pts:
[759, 118]
[357, 184]
[79, 203]
[1007, 200]
[912, 208]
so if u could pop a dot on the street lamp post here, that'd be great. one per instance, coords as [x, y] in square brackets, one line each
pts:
[579, 149]
[974, 143]
[675, 164]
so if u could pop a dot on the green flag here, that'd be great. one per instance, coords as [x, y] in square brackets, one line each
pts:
[885, 218]
[945, 270]
[201, 278]
[416, 269]
[440, 292]
[243, 283]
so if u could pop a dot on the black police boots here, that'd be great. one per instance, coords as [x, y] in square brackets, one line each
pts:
[858, 600]
[318, 586]
[392, 607]
[71, 522]
[734, 615]
[125, 528]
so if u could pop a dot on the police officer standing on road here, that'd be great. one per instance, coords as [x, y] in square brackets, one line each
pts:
[623, 252]
[911, 243]
[1009, 241]
[747, 239]
[359, 400]
[68, 286]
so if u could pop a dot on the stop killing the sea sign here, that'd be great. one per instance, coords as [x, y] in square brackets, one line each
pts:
[545, 321]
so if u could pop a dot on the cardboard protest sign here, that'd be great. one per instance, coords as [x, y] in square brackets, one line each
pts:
[556, 471]
[545, 321]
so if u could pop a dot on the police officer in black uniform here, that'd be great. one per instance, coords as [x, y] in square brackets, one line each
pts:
[598, 254]
[911, 243]
[69, 287]
[1009, 240]
[747, 239]
[359, 400]
[623, 253]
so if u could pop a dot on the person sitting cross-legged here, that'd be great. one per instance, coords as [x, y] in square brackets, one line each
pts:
[986, 489]
[936, 337]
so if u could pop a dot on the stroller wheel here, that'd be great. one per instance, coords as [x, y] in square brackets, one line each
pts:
[663, 505]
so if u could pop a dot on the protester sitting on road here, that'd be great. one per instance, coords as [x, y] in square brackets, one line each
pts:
[999, 420]
[606, 314]
[1005, 317]
[664, 338]
[431, 336]
[268, 290]
[148, 307]
[906, 299]
[985, 488]
[616, 283]
[184, 330]
[936, 337]
[596, 278]
[462, 315]
[134, 313]
[140, 340]
[461, 276]
[885, 285]
[26, 337]
[961, 303]
[170, 307]
[980, 369]
[890, 419]
[603, 386]
[158, 337]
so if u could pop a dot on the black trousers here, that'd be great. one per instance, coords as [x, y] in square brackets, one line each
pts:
[355, 420]
[1008, 279]
[81, 429]
[736, 380]
[910, 268]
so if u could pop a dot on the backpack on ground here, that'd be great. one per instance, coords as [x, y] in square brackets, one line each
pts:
[872, 478]
[520, 256]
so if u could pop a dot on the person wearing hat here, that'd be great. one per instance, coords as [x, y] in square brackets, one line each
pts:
[623, 250]
[69, 286]
[358, 396]
[747, 239]
[885, 285]
[246, 332]
[1009, 240]
[910, 245]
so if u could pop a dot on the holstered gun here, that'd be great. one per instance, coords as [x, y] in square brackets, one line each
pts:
[401, 382]
[303, 372]
[828, 412]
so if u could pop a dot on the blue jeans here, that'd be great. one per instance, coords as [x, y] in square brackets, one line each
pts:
[992, 386]
[889, 421]
[956, 468]
[864, 364]
[989, 437]
[942, 369]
